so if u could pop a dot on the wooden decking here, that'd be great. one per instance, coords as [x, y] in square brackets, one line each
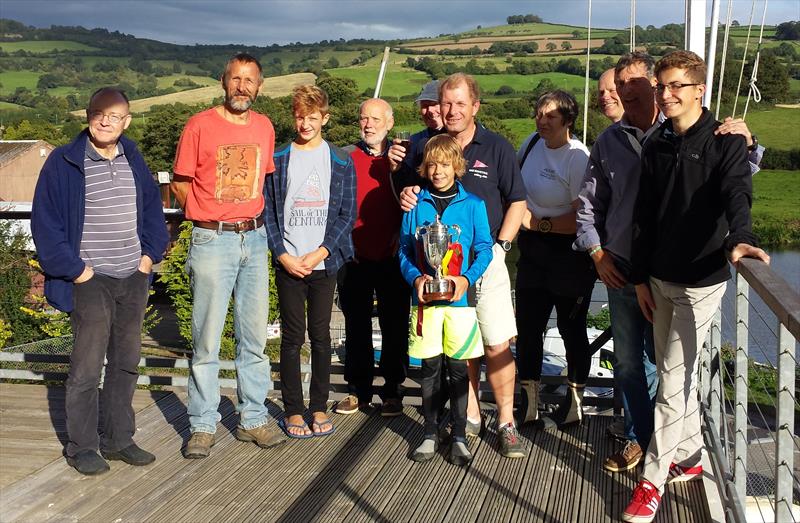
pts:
[360, 473]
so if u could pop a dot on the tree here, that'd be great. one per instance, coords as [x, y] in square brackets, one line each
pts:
[788, 31]
[333, 63]
[576, 33]
[340, 90]
[550, 46]
[566, 45]
[735, 23]
[36, 130]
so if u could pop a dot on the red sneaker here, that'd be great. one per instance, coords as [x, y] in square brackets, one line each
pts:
[644, 504]
[678, 473]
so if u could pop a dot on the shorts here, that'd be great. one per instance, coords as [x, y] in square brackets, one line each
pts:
[446, 329]
[494, 307]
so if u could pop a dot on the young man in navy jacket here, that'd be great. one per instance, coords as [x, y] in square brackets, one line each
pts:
[98, 226]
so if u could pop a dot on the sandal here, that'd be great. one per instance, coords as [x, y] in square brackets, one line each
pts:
[319, 424]
[286, 426]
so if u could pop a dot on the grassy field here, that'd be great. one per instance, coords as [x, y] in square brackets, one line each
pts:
[168, 81]
[45, 46]
[10, 80]
[6, 105]
[398, 81]
[776, 128]
[534, 28]
[489, 83]
[776, 217]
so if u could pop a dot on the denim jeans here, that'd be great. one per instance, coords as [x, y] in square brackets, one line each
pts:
[106, 323]
[635, 369]
[220, 264]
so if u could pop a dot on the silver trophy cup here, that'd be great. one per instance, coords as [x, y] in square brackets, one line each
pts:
[436, 238]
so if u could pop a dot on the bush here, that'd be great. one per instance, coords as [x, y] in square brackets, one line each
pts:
[504, 89]
[174, 276]
[788, 160]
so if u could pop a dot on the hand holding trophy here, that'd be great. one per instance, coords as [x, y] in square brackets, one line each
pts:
[436, 240]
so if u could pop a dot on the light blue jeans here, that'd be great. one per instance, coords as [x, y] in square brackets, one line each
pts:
[221, 263]
[635, 369]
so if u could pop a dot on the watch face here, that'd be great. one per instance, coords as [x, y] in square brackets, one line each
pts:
[545, 225]
[506, 245]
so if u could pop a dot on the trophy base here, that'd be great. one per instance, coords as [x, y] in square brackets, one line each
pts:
[438, 290]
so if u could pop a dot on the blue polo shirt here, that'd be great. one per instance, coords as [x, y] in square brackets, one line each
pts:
[492, 172]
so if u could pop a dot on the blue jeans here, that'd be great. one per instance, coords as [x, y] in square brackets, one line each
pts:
[221, 263]
[635, 370]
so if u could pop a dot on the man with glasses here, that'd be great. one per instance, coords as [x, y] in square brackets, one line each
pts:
[99, 227]
[605, 220]
[223, 157]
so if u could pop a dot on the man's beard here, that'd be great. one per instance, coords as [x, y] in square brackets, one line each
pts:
[375, 139]
[237, 104]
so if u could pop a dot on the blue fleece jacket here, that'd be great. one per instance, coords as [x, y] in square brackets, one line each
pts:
[341, 207]
[465, 210]
[58, 212]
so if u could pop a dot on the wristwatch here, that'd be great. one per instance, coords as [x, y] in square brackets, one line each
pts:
[545, 225]
[504, 244]
[752, 147]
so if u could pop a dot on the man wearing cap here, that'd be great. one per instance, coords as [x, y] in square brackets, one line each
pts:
[428, 103]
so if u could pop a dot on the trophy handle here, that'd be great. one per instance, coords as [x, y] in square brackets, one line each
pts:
[421, 230]
[458, 232]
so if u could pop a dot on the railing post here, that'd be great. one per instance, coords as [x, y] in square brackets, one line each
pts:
[705, 374]
[784, 425]
[715, 375]
[742, 310]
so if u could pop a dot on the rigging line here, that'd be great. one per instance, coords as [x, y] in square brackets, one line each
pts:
[724, 57]
[744, 59]
[586, 80]
[754, 76]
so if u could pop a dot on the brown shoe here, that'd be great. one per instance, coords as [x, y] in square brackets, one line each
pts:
[392, 407]
[628, 458]
[199, 445]
[348, 405]
[264, 435]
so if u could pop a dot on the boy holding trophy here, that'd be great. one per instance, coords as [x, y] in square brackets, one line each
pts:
[445, 246]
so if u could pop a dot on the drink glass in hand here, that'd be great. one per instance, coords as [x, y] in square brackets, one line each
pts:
[405, 140]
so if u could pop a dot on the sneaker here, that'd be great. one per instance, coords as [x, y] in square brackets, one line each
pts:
[474, 429]
[644, 504]
[511, 445]
[199, 445]
[617, 430]
[427, 450]
[628, 458]
[678, 474]
[392, 407]
[459, 453]
[88, 463]
[348, 405]
[264, 435]
[132, 455]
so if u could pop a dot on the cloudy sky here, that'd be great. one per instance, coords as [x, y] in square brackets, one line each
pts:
[263, 22]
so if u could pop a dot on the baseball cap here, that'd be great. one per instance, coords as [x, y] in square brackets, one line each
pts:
[430, 92]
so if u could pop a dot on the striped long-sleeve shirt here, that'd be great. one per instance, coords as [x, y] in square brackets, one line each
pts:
[110, 243]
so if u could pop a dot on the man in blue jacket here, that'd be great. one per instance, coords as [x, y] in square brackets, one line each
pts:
[99, 227]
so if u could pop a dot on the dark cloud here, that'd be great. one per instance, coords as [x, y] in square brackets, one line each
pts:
[262, 22]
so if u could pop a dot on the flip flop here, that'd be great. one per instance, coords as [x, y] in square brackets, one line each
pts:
[319, 424]
[286, 426]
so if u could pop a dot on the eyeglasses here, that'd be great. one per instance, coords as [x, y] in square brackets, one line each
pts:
[112, 117]
[671, 87]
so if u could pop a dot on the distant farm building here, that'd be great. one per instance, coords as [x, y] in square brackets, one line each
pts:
[20, 163]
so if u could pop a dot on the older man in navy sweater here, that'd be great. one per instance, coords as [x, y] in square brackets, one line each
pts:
[99, 227]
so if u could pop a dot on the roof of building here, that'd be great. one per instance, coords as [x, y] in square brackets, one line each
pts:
[10, 149]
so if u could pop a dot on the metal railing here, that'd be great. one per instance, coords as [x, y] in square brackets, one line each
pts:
[749, 407]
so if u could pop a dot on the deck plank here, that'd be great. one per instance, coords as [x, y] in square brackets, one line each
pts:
[360, 473]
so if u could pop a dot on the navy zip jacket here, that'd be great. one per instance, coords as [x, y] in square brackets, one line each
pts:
[341, 207]
[58, 212]
[694, 202]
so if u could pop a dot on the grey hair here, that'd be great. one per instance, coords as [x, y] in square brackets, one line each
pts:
[636, 57]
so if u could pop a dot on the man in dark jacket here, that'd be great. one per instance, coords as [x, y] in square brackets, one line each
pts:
[692, 215]
[99, 227]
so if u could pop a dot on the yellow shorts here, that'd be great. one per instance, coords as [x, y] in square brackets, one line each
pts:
[452, 330]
